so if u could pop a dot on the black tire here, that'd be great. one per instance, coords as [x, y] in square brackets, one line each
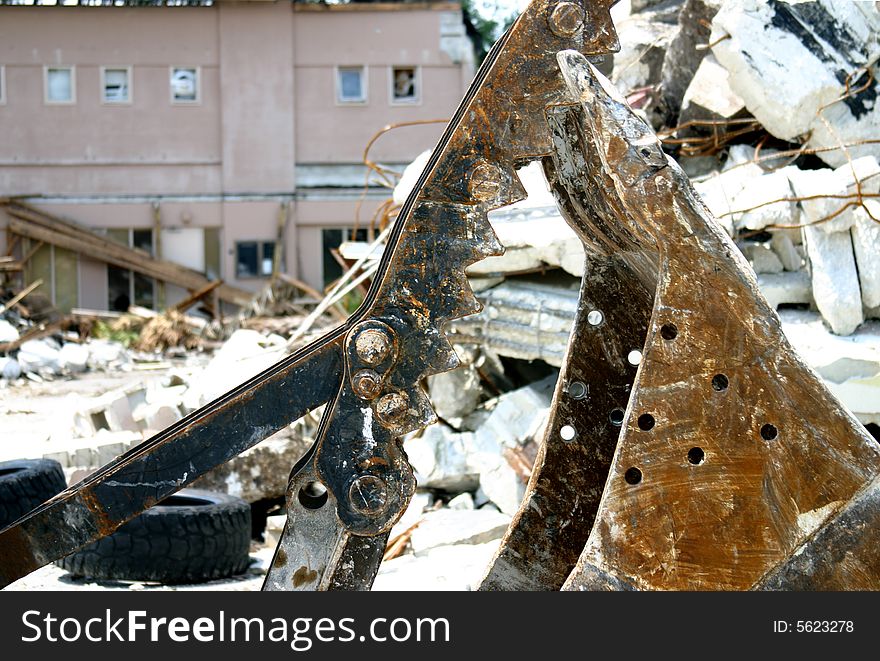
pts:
[191, 537]
[25, 484]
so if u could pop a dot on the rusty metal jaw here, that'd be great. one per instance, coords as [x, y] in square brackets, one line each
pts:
[398, 336]
[735, 468]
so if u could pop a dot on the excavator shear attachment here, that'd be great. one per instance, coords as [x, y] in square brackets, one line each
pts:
[688, 446]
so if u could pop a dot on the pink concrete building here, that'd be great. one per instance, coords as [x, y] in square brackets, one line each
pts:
[187, 130]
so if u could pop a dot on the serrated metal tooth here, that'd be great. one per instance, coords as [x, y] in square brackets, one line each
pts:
[420, 413]
[444, 357]
[456, 298]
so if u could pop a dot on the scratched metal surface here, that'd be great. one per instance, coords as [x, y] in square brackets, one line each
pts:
[733, 454]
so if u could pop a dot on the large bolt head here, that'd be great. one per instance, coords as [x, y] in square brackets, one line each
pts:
[368, 495]
[392, 408]
[366, 384]
[566, 19]
[372, 346]
[485, 182]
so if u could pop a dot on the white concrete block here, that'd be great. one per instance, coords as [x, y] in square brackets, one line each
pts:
[835, 279]
[458, 568]
[757, 201]
[866, 245]
[709, 95]
[447, 527]
[783, 246]
[762, 259]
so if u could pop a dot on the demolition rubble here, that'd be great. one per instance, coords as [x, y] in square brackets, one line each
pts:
[786, 159]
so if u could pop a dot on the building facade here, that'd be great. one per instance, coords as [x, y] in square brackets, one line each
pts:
[205, 134]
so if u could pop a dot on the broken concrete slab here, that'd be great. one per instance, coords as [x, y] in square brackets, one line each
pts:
[274, 529]
[458, 568]
[849, 365]
[835, 279]
[410, 177]
[787, 288]
[9, 368]
[644, 38]
[757, 42]
[245, 354]
[866, 246]
[73, 358]
[104, 354]
[463, 501]
[40, 356]
[829, 207]
[446, 527]
[8, 332]
[455, 394]
[709, 96]
[439, 458]
[762, 258]
[413, 513]
[719, 191]
[766, 200]
[785, 250]
[523, 319]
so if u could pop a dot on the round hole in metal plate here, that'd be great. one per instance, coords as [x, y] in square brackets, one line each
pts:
[668, 331]
[632, 475]
[696, 456]
[720, 382]
[616, 417]
[646, 422]
[313, 496]
[769, 432]
[595, 317]
[567, 433]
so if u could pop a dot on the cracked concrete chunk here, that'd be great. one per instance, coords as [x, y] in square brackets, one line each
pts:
[757, 42]
[835, 279]
[762, 259]
[448, 527]
[709, 96]
[784, 248]
[758, 205]
[459, 567]
[866, 245]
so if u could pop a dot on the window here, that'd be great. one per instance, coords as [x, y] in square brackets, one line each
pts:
[2, 85]
[331, 260]
[404, 85]
[116, 84]
[125, 287]
[254, 259]
[185, 86]
[60, 85]
[351, 85]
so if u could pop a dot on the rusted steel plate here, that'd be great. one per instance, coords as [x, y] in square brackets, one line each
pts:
[733, 454]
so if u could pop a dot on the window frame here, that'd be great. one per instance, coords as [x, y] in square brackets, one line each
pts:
[130, 85]
[185, 102]
[365, 85]
[261, 257]
[417, 98]
[50, 102]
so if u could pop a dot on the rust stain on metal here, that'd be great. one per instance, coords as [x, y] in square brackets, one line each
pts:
[304, 576]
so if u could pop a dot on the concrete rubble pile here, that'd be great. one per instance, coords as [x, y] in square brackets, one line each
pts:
[37, 343]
